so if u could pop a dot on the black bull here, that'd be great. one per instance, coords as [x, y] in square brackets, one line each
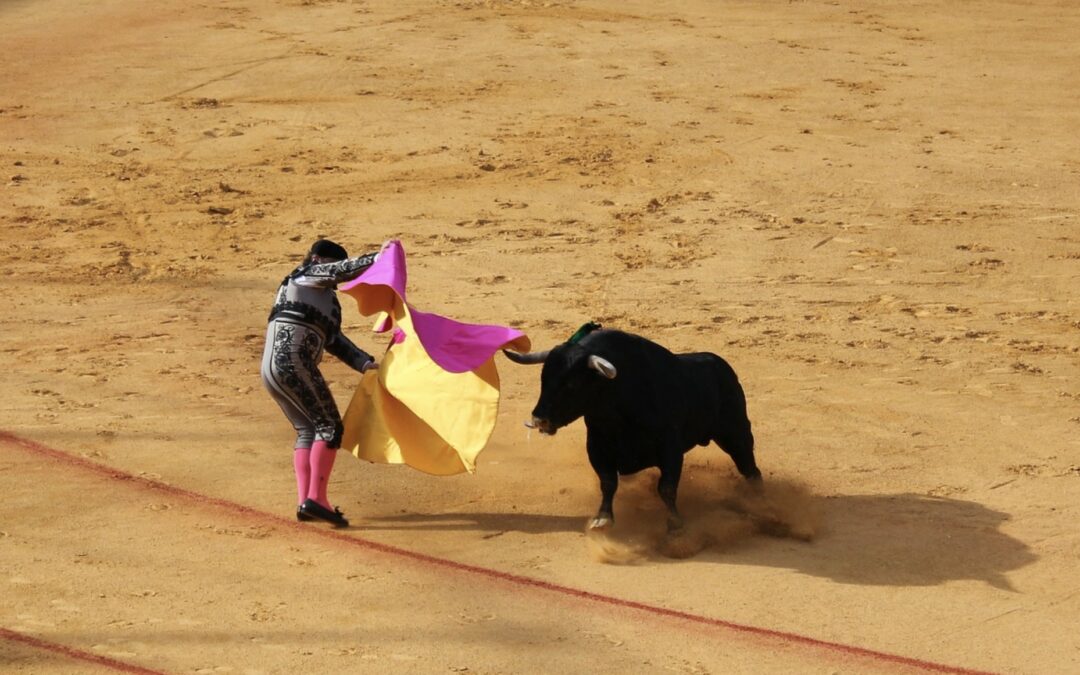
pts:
[643, 407]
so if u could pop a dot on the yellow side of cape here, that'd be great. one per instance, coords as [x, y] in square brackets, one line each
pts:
[416, 413]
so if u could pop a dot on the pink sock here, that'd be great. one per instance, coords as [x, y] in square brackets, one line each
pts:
[302, 464]
[322, 463]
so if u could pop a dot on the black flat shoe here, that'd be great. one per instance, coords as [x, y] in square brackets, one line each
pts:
[300, 515]
[314, 509]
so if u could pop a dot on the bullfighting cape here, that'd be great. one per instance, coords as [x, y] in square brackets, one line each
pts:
[433, 401]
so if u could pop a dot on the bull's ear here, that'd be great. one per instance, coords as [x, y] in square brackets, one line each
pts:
[602, 366]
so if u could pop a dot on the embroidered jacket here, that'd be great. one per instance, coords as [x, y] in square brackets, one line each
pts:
[307, 296]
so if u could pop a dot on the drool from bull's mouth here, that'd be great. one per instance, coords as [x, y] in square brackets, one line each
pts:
[543, 426]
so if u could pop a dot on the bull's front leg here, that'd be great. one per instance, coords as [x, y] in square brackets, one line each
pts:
[605, 516]
[601, 457]
[668, 487]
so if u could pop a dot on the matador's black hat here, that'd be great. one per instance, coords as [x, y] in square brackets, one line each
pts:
[324, 248]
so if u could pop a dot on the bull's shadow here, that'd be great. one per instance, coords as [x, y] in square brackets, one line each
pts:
[875, 540]
[887, 540]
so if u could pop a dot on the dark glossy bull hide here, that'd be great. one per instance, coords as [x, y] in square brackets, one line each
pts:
[643, 406]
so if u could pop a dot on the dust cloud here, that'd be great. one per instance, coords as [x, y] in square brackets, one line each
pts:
[720, 512]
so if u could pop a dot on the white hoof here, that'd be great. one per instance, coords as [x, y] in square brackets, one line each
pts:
[600, 523]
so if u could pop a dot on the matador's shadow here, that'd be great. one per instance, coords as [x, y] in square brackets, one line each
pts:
[491, 524]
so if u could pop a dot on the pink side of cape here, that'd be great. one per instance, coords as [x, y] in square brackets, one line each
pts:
[457, 347]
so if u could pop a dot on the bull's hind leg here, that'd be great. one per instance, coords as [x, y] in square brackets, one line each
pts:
[668, 487]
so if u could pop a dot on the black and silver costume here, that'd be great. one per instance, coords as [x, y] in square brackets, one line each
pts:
[305, 321]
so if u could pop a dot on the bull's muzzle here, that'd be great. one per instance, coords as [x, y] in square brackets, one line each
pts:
[542, 425]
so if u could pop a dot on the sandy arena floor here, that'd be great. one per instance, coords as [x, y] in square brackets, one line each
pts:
[871, 209]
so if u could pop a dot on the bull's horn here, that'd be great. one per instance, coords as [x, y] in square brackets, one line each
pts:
[526, 359]
[602, 366]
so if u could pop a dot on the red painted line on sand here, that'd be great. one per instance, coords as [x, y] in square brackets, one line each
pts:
[73, 653]
[352, 540]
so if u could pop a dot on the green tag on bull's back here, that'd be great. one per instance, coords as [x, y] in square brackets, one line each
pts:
[583, 331]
